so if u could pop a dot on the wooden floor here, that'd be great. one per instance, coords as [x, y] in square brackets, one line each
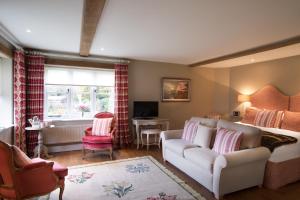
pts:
[290, 192]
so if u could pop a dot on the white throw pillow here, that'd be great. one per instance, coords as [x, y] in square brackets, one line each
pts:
[101, 126]
[204, 136]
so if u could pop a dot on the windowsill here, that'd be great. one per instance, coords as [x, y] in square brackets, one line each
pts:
[68, 120]
[6, 126]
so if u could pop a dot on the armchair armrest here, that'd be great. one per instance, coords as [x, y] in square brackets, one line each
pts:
[171, 134]
[36, 178]
[88, 131]
[242, 157]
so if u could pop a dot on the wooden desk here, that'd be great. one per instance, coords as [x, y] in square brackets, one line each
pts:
[137, 123]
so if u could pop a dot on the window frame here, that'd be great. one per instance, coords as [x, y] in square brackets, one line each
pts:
[68, 115]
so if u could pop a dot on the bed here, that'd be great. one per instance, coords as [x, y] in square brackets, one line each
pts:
[283, 166]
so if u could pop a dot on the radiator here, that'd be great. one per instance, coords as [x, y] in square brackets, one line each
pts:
[65, 136]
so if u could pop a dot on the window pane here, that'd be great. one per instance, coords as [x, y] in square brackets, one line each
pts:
[81, 101]
[105, 99]
[57, 100]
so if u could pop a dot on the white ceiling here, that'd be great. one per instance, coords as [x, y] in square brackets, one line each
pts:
[176, 31]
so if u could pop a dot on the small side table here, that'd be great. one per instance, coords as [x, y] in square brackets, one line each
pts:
[40, 148]
[148, 132]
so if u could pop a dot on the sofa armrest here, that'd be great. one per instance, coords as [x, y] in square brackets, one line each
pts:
[239, 170]
[242, 157]
[171, 134]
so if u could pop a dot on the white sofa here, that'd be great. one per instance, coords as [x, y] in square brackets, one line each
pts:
[221, 174]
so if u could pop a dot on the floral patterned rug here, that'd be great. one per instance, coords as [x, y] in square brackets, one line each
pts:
[141, 178]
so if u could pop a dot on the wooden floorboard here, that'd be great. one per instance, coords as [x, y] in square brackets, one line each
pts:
[289, 192]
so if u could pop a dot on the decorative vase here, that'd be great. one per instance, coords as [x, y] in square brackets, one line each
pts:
[82, 114]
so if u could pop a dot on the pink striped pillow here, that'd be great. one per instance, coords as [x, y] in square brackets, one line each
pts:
[190, 130]
[227, 141]
[101, 126]
[279, 118]
[265, 118]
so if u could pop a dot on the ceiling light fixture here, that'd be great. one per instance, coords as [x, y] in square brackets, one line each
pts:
[28, 30]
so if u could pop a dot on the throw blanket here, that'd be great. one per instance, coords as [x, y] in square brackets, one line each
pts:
[272, 141]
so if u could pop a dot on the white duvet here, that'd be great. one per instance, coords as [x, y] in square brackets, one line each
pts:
[285, 152]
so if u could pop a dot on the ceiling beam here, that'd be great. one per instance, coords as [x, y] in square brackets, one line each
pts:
[275, 45]
[92, 11]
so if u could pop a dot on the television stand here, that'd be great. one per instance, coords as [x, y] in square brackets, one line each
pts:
[138, 122]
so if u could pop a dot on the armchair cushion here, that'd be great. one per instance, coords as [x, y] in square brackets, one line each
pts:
[97, 139]
[101, 126]
[20, 158]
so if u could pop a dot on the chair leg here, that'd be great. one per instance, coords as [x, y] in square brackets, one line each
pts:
[147, 142]
[83, 153]
[61, 191]
[111, 153]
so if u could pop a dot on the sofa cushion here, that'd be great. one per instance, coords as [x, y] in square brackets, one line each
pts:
[227, 141]
[204, 135]
[190, 130]
[251, 135]
[205, 121]
[178, 145]
[202, 157]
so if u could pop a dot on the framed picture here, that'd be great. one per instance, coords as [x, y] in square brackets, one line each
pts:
[176, 89]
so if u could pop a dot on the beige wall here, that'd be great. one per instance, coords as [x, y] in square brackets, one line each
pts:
[282, 73]
[213, 90]
[145, 85]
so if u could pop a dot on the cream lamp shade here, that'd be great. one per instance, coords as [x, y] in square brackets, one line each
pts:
[243, 98]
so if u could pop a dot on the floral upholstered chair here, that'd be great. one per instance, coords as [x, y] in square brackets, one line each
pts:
[100, 136]
[22, 178]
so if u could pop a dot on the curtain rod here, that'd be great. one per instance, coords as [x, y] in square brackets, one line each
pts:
[69, 56]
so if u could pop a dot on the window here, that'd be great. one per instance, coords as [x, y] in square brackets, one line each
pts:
[72, 93]
[6, 92]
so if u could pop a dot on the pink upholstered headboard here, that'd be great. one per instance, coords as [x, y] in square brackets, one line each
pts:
[295, 103]
[270, 98]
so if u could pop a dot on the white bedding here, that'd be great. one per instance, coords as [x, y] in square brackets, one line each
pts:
[285, 152]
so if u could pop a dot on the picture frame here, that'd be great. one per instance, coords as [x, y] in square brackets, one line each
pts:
[175, 89]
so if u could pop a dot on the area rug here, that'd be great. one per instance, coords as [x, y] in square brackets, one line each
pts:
[141, 178]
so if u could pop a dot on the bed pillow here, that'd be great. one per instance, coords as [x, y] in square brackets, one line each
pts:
[265, 118]
[190, 130]
[227, 141]
[204, 135]
[278, 119]
[101, 126]
[250, 114]
[291, 121]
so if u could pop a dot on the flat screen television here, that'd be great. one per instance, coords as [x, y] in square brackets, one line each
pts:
[145, 109]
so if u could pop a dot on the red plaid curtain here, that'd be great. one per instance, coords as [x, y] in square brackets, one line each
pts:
[122, 136]
[20, 99]
[34, 95]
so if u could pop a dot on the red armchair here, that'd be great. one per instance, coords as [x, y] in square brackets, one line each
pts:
[94, 142]
[22, 178]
